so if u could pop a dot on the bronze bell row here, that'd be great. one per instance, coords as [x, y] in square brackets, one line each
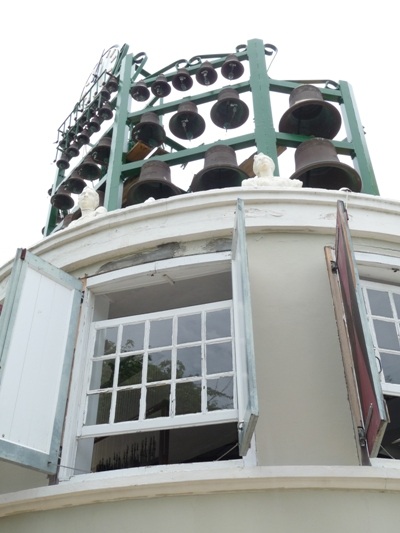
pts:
[228, 112]
[62, 199]
[206, 74]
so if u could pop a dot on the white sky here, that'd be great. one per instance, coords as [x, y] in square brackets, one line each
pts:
[49, 49]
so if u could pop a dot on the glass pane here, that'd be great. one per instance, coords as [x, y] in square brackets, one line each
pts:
[220, 393]
[391, 367]
[189, 328]
[386, 335]
[132, 337]
[130, 370]
[157, 401]
[128, 404]
[396, 298]
[160, 333]
[188, 398]
[218, 324]
[380, 303]
[219, 357]
[188, 362]
[98, 409]
[159, 366]
[106, 341]
[102, 374]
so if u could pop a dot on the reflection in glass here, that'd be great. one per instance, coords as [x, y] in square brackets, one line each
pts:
[218, 324]
[159, 366]
[188, 398]
[188, 362]
[157, 401]
[102, 374]
[379, 303]
[219, 357]
[128, 404]
[160, 333]
[106, 341]
[386, 335]
[391, 367]
[189, 328]
[98, 411]
[130, 370]
[132, 337]
[220, 393]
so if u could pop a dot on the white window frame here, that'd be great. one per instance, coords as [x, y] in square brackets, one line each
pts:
[157, 272]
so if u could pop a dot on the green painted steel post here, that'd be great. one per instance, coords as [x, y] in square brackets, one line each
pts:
[114, 185]
[260, 88]
[356, 136]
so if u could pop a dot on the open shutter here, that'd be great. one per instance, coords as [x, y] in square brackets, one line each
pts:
[37, 336]
[244, 343]
[355, 337]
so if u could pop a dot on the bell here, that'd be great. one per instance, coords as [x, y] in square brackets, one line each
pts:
[72, 150]
[139, 91]
[182, 80]
[104, 93]
[89, 169]
[63, 162]
[229, 111]
[101, 152]
[232, 68]
[160, 87]
[74, 184]
[84, 136]
[318, 166]
[187, 123]
[112, 84]
[149, 130]
[95, 123]
[220, 170]
[104, 112]
[62, 199]
[310, 114]
[154, 182]
[206, 75]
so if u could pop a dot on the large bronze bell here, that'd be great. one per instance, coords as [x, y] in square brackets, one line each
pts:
[182, 80]
[154, 182]
[95, 123]
[84, 136]
[62, 199]
[72, 150]
[187, 123]
[112, 83]
[160, 87]
[220, 170]
[310, 114]
[139, 91]
[75, 184]
[206, 75]
[101, 152]
[104, 112]
[232, 68]
[89, 169]
[63, 161]
[318, 166]
[229, 111]
[149, 130]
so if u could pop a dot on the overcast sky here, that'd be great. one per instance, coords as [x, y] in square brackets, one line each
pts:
[49, 49]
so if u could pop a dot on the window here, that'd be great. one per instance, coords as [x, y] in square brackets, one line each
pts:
[164, 371]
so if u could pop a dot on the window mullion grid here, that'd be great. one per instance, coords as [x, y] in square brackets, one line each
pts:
[143, 388]
[203, 362]
[174, 356]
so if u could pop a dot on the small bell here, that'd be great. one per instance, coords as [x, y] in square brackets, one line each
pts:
[187, 123]
[232, 68]
[112, 84]
[89, 169]
[160, 87]
[149, 130]
[74, 184]
[229, 111]
[105, 112]
[72, 150]
[62, 199]
[139, 91]
[182, 81]
[206, 75]
[101, 152]
[63, 162]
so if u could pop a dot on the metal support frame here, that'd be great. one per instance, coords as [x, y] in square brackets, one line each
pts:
[264, 138]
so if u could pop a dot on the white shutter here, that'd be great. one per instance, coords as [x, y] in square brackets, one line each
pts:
[37, 336]
[244, 343]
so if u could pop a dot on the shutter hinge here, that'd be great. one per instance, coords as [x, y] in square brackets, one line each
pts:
[334, 267]
[82, 296]
[362, 437]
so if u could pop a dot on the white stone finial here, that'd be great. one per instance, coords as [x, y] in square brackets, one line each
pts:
[264, 167]
[88, 202]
